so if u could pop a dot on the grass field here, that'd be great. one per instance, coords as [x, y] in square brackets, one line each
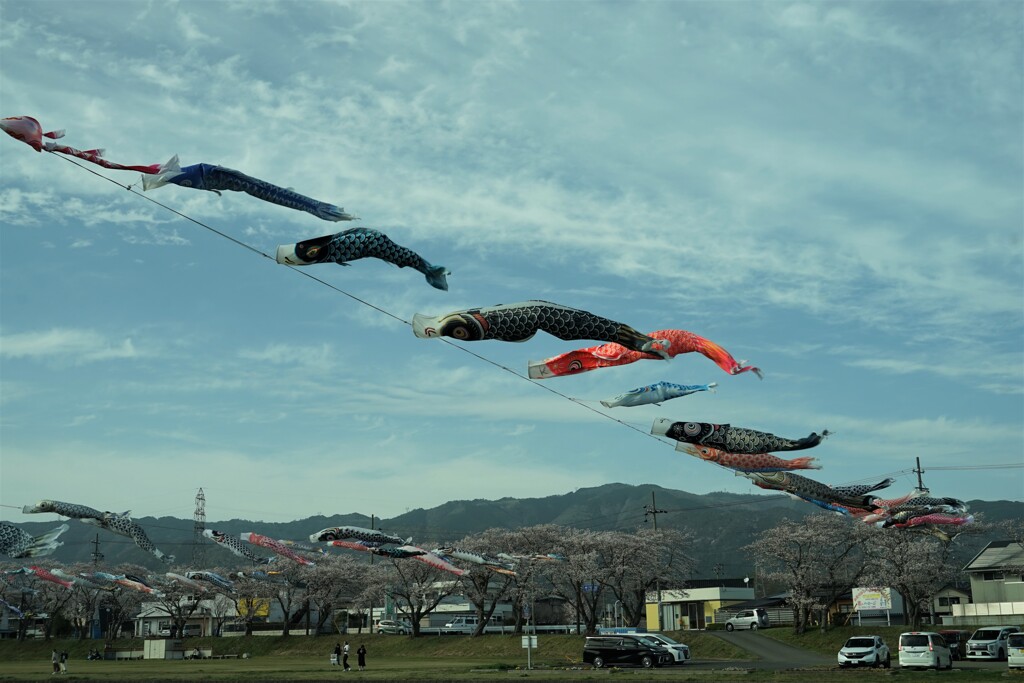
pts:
[397, 658]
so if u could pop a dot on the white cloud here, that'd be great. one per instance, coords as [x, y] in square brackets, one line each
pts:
[65, 345]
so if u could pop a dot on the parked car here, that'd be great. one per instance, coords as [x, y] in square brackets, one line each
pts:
[989, 642]
[957, 641]
[390, 626]
[467, 625]
[679, 651]
[188, 630]
[924, 649]
[601, 651]
[1015, 651]
[748, 618]
[865, 651]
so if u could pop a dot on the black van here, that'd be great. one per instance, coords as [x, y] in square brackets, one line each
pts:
[600, 651]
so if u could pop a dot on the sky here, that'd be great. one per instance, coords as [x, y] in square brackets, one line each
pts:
[831, 191]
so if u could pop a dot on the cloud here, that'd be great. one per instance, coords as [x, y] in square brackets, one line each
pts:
[69, 346]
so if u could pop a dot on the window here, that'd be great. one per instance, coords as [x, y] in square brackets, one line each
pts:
[946, 602]
[992, 576]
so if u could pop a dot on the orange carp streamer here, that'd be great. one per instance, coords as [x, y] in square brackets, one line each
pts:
[744, 462]
[612, 354]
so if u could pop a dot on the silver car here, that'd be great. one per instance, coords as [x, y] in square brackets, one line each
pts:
[989, 642]
[748, 618]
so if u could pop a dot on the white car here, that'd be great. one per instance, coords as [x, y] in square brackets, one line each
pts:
[989, 642]
[393, 627]
[865, 651]
[748, 618]
[924, 649]
[679, 651]
[1015, 651]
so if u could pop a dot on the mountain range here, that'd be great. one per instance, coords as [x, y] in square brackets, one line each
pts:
[721, 524]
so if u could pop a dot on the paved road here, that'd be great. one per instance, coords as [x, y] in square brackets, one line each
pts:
[775, 655]
[770, 653]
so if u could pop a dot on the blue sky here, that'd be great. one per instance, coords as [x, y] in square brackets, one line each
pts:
[831, 191]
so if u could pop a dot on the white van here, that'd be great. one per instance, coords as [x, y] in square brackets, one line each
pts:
[924, 649]
[467, 625]
[989, 642]
[1015, 650]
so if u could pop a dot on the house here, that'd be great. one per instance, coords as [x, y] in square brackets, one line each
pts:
[997, 587]
[694, 606]
[949, 595]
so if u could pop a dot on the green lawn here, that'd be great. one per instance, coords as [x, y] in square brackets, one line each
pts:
[457, 658]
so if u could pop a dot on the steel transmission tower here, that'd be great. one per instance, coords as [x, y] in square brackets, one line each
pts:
[198, 547]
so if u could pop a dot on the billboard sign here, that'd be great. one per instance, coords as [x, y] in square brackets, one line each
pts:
[872, 598]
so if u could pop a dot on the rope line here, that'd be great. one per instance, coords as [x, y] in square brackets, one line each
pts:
[579, 402]
[309, 275]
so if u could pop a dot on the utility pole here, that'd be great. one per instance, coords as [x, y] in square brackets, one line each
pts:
[199, 525]
[96, 554]
[919, 471]
[653, 511]
[372, 520]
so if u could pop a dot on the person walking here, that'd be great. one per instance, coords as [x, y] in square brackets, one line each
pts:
[63, 661]
[361, 657]
[55, 658]
[336, 660]
[344, 657]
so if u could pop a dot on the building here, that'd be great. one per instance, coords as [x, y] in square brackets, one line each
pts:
[997, 587]
[945, 599]
[694, 606]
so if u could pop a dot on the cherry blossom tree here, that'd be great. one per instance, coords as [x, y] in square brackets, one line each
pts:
[178, 601]
[482, 586]
[916, 565]
[818, 558]
[640, 561]
[251, 600]
[584, 576]
[418, 588]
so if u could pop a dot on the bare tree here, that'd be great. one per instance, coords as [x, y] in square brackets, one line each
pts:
[817, 558]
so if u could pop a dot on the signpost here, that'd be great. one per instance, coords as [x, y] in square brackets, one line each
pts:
[529, 644]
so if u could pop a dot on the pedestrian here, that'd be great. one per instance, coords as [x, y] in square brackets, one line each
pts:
[336, 659]
[361, 657]
[344, 657]
[55, 658]
[63, 661]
